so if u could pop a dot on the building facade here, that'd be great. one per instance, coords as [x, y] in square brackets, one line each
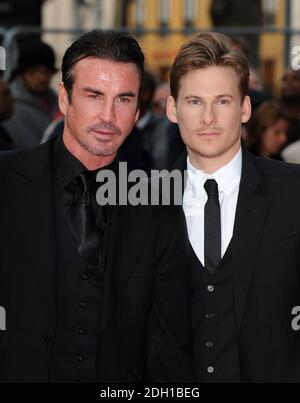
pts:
[161, 26]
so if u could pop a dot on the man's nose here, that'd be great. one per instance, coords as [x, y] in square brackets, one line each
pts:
[208, 116]
[107, 112]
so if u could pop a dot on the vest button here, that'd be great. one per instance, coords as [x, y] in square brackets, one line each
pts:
[80, 331]
[79, 358]
[209, 316]
[210, 288]
[83, 304]
[210, 370]
[209, 344]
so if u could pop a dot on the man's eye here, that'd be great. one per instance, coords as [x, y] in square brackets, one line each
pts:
[194, 102]
[223, 101]
[123, 100]
[94, 96]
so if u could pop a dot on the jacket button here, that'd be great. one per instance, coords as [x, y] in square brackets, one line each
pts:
[83, 304]
[210, 370]
[210, 288]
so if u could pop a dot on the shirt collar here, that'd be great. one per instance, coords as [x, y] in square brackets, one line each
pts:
[66, 165]
[228, 177]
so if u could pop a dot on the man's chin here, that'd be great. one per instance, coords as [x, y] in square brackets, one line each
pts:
[208, 152]
[102, 152]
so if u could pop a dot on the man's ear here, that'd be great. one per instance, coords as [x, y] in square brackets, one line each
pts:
[171, 109]
[63, 100]
[137, 115]
[246, 109]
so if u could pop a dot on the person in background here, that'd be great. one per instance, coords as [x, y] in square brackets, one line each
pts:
[146, 147]
[35, 101]
[256, 90]
[6, 110]
[290, 101]
[267, 130]
[160, 97]
[291, 153]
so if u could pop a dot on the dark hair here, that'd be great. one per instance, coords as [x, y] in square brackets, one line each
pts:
[107, 45]
[32, 53]
[264, 116]
[147, 89]
[209, 49]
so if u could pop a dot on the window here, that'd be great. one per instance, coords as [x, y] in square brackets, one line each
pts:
[140, 13]
[270, 8]
[189, 12]
[164, 12]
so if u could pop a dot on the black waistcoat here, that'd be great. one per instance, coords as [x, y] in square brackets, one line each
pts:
[79, 292]
[213, 319]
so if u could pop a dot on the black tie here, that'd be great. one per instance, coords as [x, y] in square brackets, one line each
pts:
[82, 221]
[212, 226]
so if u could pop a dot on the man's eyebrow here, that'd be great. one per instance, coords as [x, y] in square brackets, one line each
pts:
[201, 98]
[128, 94]
[224, 96]
[93, 90]
[98, 92]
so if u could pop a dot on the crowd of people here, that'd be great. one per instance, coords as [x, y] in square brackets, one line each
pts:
[29, 114]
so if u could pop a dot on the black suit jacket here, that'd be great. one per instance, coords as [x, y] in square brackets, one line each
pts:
[266, 269]
[144, 331]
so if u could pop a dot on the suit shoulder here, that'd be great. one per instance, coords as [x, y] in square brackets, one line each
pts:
[269, 166]
[11, 158]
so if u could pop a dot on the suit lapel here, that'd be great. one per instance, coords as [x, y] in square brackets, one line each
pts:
[30, 189]
[125, 241]
[249, 222]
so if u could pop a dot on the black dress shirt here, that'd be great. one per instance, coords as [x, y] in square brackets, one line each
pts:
[79, 288]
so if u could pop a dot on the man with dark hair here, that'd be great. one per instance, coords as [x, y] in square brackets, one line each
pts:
[243, 223]
[290, 101]
[146, 147]
[91, 293]
[35, 101]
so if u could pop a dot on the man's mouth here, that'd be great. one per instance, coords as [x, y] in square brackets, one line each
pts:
[209, 134]
[103, 133]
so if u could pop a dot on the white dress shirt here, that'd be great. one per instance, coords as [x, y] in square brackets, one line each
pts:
[194, 199]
